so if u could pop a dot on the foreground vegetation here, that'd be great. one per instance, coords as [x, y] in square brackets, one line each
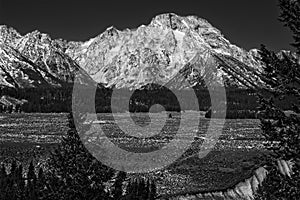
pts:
[283, 79]
[71, 172]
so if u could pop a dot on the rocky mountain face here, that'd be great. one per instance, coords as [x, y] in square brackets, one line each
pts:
[157, 53]
[33, 60]
[171, 48]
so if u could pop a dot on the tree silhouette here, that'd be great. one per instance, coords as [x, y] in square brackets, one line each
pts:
[282, 130]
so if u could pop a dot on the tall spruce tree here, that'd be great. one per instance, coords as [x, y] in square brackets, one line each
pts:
[281, 129]
[290, 10]
[74, 173]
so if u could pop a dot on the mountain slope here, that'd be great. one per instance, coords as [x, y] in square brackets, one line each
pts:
[170, 50]
[159, 51]
[34, 60]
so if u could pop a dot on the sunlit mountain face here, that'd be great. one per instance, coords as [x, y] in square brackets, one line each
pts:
[166, 51]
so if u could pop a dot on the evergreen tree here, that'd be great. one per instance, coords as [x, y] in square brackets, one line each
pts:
[290, 16]
[13, 167]
[282, 130]
[74, 173]
[118, 185]
[140, 189]
[31, 172]
[152, 193]
[41, 184]
[3, 173]
[20, 179]
[41, 176]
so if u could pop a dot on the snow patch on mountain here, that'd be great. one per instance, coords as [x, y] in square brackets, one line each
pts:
[160, 52]
[155, 53]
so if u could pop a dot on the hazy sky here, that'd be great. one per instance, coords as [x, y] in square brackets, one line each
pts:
[247, 23]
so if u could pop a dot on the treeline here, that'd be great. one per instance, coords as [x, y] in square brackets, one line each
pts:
[18, 185]
[233, 114]
[60, 99]
[39, 99]
[10, 108]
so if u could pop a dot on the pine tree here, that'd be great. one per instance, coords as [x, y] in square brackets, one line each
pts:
[3, 173]
[41, 176]
[31, 191]
[74, 173]
[41, 184]
[20, 179]
[290, 16]
[140, 189]
[31, 173]
[282, 130]
[144, 189]
[13, 167]
[148, 189]
[3, 181]
[152, 193]
[118, 185]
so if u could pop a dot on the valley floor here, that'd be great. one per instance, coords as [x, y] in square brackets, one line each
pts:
[238, 152]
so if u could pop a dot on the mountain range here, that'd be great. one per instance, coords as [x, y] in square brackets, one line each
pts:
[168, 48]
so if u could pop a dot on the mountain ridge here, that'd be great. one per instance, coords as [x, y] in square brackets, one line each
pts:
[169, 39]
[153, 53]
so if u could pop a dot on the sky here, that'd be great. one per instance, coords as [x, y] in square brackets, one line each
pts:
[246, 23]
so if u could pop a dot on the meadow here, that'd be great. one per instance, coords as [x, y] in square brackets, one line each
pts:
[238, 152]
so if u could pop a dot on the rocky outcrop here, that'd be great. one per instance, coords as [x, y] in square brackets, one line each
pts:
[244, 190]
